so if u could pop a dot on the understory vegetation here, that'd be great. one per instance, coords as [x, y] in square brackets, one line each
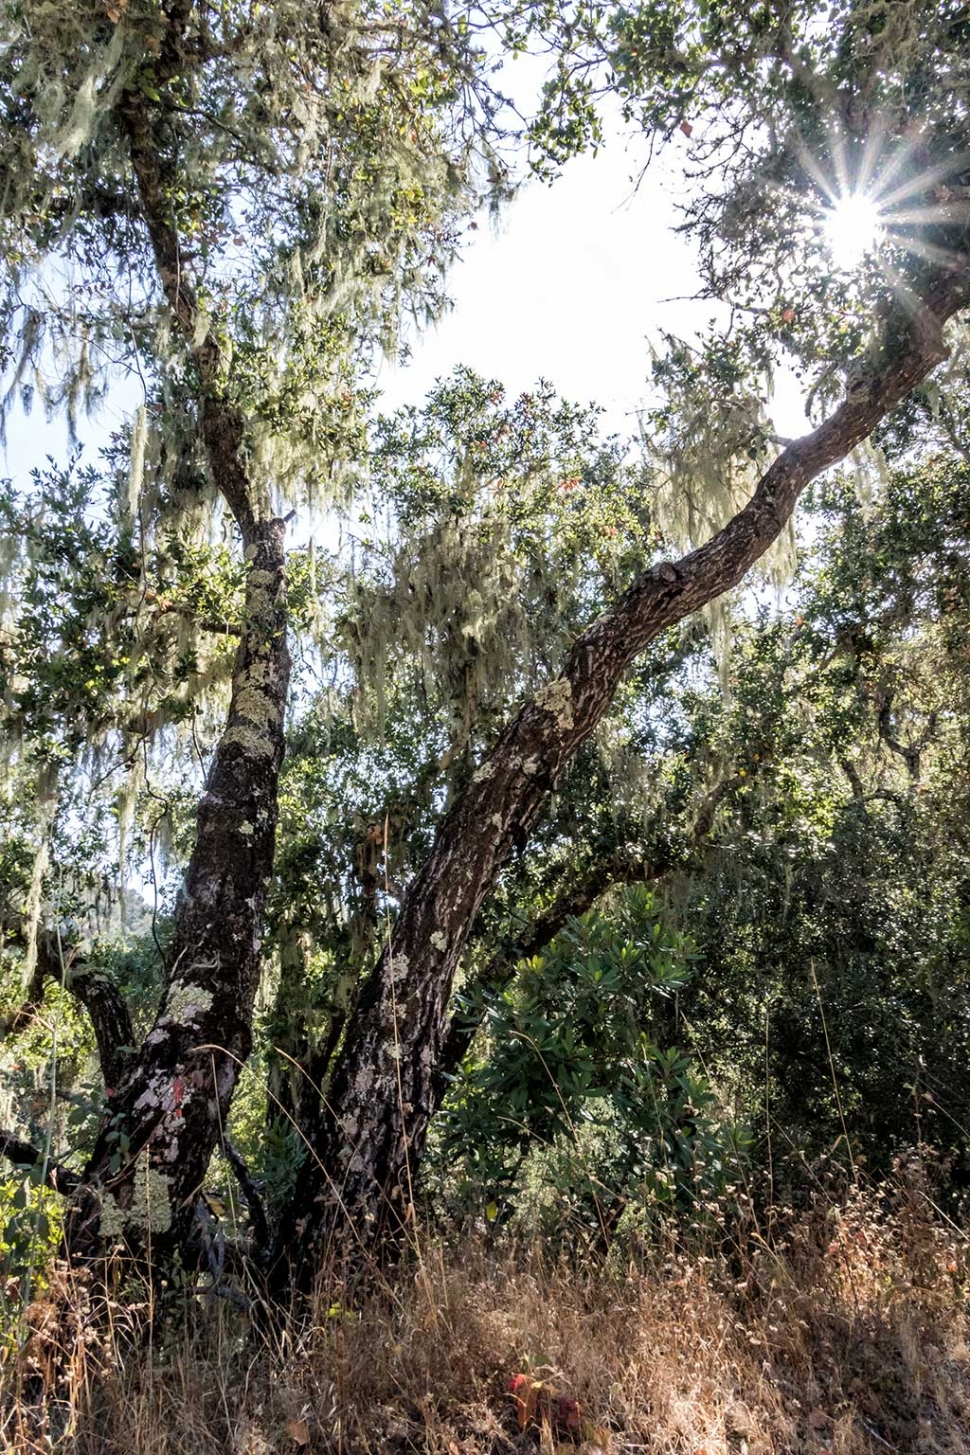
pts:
[842, 1327]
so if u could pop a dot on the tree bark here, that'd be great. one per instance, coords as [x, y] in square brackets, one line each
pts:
[358, 1183]
[169, 1111]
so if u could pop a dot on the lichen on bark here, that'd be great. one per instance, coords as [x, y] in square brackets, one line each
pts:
[556, 698]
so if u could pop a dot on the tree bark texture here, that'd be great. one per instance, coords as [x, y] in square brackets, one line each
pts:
[358, 1180]
[169, 1111]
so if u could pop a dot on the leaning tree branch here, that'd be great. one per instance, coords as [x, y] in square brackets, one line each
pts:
[382, 1094]
[23, 1154]
[94, 989]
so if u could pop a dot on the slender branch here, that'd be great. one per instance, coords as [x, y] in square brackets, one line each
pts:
[164, 607]
[884, 717]
[625, 866]
[23, 1154]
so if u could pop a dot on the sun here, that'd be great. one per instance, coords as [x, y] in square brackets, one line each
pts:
[852, 227]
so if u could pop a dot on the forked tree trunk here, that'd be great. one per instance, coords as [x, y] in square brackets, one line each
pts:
[358, 1182]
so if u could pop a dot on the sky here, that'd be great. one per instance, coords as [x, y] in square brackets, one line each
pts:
[568, 285]
[572, 285]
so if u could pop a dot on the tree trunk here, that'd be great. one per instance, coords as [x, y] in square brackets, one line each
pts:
[169, 1111]
[359, 1181]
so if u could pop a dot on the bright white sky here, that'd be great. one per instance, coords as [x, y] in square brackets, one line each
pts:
[572, 285]
[567, 286]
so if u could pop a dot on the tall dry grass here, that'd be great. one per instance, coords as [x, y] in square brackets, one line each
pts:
[844, 1331]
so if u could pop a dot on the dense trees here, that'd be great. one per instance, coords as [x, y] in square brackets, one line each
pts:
[501, 704]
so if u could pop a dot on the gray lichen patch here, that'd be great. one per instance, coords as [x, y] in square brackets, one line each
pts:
[556, 698]
[151, 1203]
[248, 738]
[254, 702]
[261, 674]
[187, 1002]
[439, 941]
[399, 967]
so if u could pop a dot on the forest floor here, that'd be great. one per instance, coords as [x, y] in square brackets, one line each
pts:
[841, 1329]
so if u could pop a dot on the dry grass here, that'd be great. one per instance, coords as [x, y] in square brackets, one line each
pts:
[847, 1333]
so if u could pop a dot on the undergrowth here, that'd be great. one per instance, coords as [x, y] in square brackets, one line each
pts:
[840, 1328]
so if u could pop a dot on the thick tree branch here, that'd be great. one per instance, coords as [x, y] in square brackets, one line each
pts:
[94, 989]
[110, 1017]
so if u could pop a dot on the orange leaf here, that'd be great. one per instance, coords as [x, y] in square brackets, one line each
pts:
[526, 1394]
[686, 128]
[297, 1430]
